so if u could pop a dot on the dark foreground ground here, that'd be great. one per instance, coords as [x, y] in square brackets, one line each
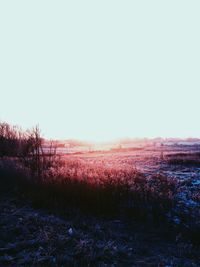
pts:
[32, 237]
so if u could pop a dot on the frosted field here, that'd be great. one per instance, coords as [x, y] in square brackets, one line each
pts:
[151, 161]
[148, 161]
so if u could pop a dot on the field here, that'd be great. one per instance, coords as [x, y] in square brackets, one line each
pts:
[147, 160]
[179, 163]
[125, 207]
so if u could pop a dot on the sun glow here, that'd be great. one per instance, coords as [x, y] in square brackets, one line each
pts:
[96, 74]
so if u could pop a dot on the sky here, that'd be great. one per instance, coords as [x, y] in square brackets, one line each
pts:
[101, 70]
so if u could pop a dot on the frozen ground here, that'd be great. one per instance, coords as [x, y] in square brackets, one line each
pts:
[148, 161]
[30, 237]
[152, 161]
[33, 237]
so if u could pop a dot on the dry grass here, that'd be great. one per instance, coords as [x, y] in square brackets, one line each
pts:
[184, 159]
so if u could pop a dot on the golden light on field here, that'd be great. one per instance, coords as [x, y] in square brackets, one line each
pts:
[101, 71]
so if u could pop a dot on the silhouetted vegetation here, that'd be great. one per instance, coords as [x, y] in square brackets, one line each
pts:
[49, 182]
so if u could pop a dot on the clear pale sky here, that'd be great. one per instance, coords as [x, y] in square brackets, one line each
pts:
[101, 70]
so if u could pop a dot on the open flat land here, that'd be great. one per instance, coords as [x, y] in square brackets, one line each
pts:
[31, 236]
[178, 163]
[149, 161]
